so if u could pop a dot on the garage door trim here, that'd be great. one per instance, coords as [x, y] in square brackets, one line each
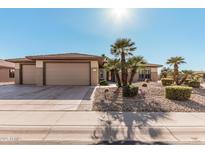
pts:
[44, 70]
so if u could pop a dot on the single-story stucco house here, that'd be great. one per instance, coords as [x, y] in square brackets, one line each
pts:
[68, 69]
[6, 71]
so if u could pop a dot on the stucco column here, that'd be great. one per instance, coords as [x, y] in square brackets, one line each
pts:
[39, 73]
[94, 73]
[154, 74]
[17, 73]
[105, 74]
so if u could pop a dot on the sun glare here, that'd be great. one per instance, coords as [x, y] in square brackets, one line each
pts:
[119, 18]
[119, 13]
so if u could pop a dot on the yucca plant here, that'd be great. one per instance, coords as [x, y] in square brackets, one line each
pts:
[185, 75]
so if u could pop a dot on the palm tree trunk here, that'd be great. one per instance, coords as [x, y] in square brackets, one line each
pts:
[118, 78]
[123, 70]
[175, 75]
[164, 75]
[126, 76]
[132, 76]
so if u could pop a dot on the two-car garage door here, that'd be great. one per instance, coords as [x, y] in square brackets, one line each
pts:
[59, 74]
[67, 74]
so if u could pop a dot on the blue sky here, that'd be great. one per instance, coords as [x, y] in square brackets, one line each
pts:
[158, 33]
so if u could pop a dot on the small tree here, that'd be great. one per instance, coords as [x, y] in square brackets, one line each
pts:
[122, 48]
[133, 64]
[113, 64]
[165, 72]
[175, 61]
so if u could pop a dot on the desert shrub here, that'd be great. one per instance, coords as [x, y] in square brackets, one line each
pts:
[186, 82]
[194, 84]
[144, 85]
[130, 91]
[103, 83]
[178, 92]
[167, 81]
[118, 85]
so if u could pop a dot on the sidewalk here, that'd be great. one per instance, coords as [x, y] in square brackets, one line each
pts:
[54, 127]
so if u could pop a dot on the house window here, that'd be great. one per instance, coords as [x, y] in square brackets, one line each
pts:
[101, 74]
[11, 73]
[144, 74]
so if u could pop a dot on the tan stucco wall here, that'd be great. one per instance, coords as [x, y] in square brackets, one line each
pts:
[4, 75]
[17, 76]
[94, 73]
[39, 73]
[154, 69]
[17, 73]
[154, 76]
[39, 76]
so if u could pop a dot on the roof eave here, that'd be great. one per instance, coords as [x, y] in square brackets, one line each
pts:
[20, 61]
[8, 67]
[99, 59]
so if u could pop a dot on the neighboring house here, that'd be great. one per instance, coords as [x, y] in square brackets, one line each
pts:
[6, 71]
[69, 69]
[202, 74]
[149, 72]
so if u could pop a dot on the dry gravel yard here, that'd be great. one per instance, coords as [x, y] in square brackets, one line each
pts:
[153, 100]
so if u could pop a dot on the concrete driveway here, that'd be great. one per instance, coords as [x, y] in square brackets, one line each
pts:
[28, 97]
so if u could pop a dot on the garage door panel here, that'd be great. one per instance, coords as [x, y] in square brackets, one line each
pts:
[67, 74]
[28, 74]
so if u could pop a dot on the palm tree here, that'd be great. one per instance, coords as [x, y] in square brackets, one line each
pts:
[135, 63]
[123, 48]
[176, 61]
[114, 64]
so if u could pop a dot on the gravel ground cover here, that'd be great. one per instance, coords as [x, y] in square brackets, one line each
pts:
[149, 99]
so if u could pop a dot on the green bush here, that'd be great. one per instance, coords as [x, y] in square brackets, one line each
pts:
[194, 84]
[103, 83]
[178, 92]
[130, 91]
[167, 81]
